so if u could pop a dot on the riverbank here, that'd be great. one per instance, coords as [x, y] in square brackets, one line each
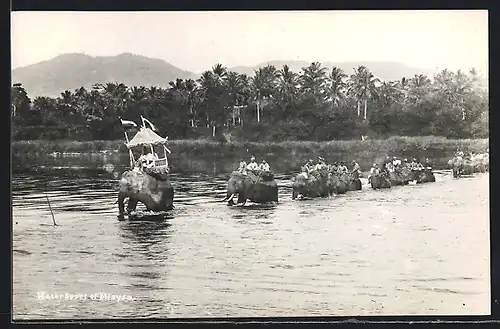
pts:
[294, 154]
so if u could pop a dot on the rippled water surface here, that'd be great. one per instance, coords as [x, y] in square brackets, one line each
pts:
[418, 249]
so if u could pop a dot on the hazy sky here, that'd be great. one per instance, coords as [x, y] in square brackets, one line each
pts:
[195, 41]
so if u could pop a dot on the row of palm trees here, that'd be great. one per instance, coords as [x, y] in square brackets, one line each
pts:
[222, 98]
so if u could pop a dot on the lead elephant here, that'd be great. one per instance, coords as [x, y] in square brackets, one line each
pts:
[313, 185]
[261, 188]
[156, 194]
[381, 180]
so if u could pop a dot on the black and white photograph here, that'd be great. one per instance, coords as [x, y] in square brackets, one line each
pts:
[240, 164]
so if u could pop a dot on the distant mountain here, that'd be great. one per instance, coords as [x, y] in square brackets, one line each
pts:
[382, 70]
[71, 71]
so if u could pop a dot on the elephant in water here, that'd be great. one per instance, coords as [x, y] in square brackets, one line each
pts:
[381, 180]
[343, 183]
[261, 188]
[313, 185]
[399, 177]
[156, 194]
[423, 176]
[354, 182]
[480, 162]
[461, 166]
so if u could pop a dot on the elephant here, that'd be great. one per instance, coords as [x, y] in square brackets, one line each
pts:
[339, 182]
[480, 162]
[256, 188]
[156, 194]
[354, 182]
[424, 176]
[399, 177]
[313, 185]
[461, 166]
[381, 180]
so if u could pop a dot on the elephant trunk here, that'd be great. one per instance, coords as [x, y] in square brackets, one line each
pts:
[228, 197]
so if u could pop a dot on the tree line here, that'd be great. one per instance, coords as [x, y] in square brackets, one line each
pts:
[272, 105]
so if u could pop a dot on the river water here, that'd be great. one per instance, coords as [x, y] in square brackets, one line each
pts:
[418, 250]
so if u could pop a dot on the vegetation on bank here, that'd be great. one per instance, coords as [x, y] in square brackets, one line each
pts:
[275, 104]
[438, 149]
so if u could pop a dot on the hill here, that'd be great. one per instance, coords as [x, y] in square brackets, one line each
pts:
[383, 70]
[71, 71]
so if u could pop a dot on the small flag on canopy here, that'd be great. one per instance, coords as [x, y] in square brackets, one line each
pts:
[149, 122]
[128, 123]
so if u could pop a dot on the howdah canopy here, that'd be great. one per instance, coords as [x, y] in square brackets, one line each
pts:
[146, 137]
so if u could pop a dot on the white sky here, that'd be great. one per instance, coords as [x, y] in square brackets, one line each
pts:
[195, 41]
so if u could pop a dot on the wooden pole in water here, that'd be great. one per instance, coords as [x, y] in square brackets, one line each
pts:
[51, 212]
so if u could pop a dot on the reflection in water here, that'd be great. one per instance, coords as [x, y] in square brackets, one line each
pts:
[362, 253]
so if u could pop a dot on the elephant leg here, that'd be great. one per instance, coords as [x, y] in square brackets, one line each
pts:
[121, 205]
[294, 194]
[241, 199]
[132, 204]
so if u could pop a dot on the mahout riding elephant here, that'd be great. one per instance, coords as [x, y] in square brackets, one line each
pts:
[313, 185]
[381, 180]
[138, 186]
[260, 188]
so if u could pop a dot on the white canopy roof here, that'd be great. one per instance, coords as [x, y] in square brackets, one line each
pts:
[146, 137]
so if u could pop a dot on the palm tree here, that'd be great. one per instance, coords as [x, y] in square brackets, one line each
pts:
[192, 99]
[363, 87]
[336, 85]
[263, 85]
[235, 85]
[287, 87]
[313, 79]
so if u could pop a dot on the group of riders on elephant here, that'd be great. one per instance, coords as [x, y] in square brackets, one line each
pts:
[396, 172]
[322, 180]
[252, 182]
[465, 165]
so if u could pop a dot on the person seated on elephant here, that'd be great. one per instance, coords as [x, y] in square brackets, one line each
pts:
[147, 159]
[321, 165]
[334, 167]
[374, 171]
[427, 163]
[386, 161]
[396, 162]
[264, 166]
[389, 167]
[417, 165]
[252, 166]
[355, 168]
[309, 166]
[405, 163]
[412, 164]
[342, 169]
[243, 167]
